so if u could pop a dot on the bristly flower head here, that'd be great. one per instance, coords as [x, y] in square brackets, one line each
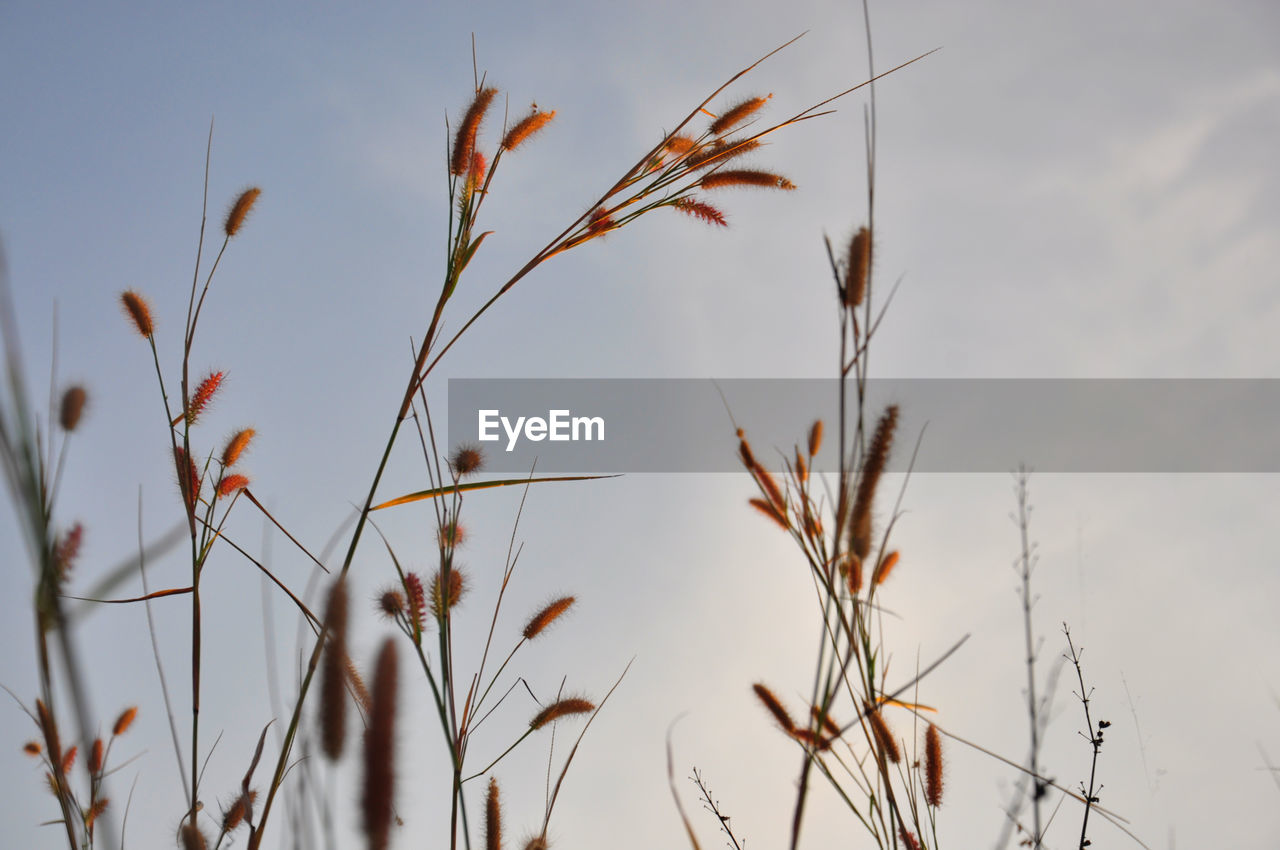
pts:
[933, 766]
[240, 211]
[201, 397]
[701, 210]
[232, 484]
[561, 708]
[746, 177]
[464, 143]
[236, 446]
[124, 721]
[526, 127]
[442, 599]
[545, 617]
[736, 114]
[467, 459]
[857, 267]
[139, 312]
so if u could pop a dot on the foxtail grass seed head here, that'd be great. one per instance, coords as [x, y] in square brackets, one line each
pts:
[718, 152]
[801, 468]
[417, 600]
[124, 721]
[769, 485]
[451, 535]
[767, 508]
[72, 407]
[857, 267]
[379, 750]
[464, 142]
[526, 127]
[193, 838]
[95, 758]
[736, 114]
[32, 748]
[701, 210]
[492, 818]
[240, 210]
[599, 221]
[745, 177]
[678, 145]
[538, 842]
[333, 690]
[467, 459]
[774, 705]
[240, 810]
[908, 838]
[139, 312]
[237, 445]
[95, 811]
[933, 766]
[68, 760]
[872, 468]
[391, 603]
[549, 613]
[50, 730]
[232, 484]
[200, 399]
[66, 551]
[561, 708]
[824, 720]
[188, 479]
[443, 599]
[885, 741]
[815, 438]
[886, 565]
[851, 572]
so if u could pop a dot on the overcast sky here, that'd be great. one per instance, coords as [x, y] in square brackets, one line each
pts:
[1066, 190]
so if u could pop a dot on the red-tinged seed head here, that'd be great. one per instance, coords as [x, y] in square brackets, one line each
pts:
[95, 811]
[72, 408]
[736, 114]
[561, 708]
[885, 741]
[872, 468]
[68, 760]
[240, 810]
[357, 685]
[32, 748]
[451, 535]
[824, 720]
[599, 221]
[550, 612]
[851, 570]
[240, 210]
[678, 144]
[95, 758]
[767, 508]
[774, 705]
[333, 690]
[464, 142]
[237, 445]
[125, 720]
[200, 399]
[801, 468]
[232, 484]
[493, 818]
[701, 210]
[379, 750]
[886, 565]
[718, 152]
[188, 479]
[139, 312]
[724, 179]
[908, 838]
[815, 438]
[857, 267]
[66, 550]
[526, 127]
[933, 766]
[417, 600]
[467, 459]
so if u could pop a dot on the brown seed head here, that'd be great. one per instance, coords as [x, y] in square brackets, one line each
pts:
[379, 750]
[443, 600]
[139, 312]
[95, 811]
[885, 741]
[857, 267]
[908, 838]
[774, 705]
[188, 479]
[718, 152]
[736, 114]
[815, 437]
[886, 565]
[240, 210]
[451, 535]
[32, 748]
[464, 142]
[125, 720]
[766, 507]
[391, 602]
[204, 393]
[933, 766]
[746, 177]
[493, 818]
[333, 690]
[561, 708]
[526, 127]
[72, 408]
[50, 730]
[872, 468]
[95, 758]
[538, 842]
[548, 615]
[68, 760]
[417, 600]
[66, 550]
[467, 459]
[236, 446]
[240, 810]
[193, 838]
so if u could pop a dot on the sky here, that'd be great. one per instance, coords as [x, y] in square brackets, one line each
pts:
[1074, 190]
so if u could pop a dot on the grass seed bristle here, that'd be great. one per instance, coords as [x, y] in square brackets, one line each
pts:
[95, 758]
[815, 437]
[736, 114]
[933, 766]
[379, 750]
[545, 617]
[232, 484]
[467, 459]
[886, 565]
[139, 312]
[464, 143]
[526, 127]
[766, 507]
[237, 445]
[561, 708]
[333, 675]
[857, 267]
[701, 210]
[885, 741]
[240, 211]
[443, 600]
[748, 177]
[872, 468]
[718, 152]
[774, 705]
[492, 818]
[124, 721]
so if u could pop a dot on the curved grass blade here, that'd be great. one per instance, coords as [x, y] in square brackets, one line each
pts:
[479, 485]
